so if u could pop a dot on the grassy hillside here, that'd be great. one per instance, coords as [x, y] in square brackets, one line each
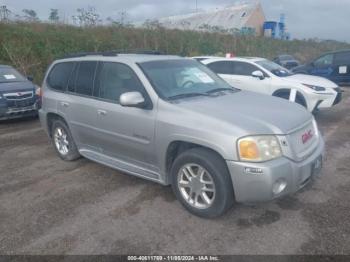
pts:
[32, 47]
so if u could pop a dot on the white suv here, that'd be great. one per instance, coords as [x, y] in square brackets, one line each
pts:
[264, 76]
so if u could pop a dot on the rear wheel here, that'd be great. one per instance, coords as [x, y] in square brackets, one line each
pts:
[201, 182]
[63, 141]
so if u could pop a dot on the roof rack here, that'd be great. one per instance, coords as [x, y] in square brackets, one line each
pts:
[114, 53]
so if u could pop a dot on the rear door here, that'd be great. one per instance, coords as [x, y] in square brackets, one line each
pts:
[324, 67]
[342, 67]
[125, 133]
[245, 81]
[78, 105]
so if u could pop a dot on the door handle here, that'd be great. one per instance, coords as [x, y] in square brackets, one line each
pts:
[102, 112]
[65, 104]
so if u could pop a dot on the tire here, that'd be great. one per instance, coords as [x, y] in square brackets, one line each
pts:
[219, 193]
[61, 135]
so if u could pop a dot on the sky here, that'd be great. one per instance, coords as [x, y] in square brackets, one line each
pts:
[322, 19]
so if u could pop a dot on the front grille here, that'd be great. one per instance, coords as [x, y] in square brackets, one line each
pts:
[19, 95]
[19, 99]
[304, 141]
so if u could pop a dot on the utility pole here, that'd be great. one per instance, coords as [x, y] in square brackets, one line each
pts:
[196, 6]
[4, 13]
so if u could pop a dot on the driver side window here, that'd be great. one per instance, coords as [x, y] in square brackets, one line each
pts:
[324, 61]
[115, 79]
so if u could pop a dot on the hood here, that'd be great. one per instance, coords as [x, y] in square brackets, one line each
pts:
[247, 113]
[311, 80]
[16, 86]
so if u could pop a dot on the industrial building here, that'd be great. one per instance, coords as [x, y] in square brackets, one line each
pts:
[247, 18]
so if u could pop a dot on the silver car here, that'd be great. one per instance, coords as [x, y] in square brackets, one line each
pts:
[173, 121]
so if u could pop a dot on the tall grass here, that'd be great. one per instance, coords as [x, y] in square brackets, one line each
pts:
[31, 47]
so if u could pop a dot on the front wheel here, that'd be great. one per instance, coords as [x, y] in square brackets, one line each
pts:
[201, 182]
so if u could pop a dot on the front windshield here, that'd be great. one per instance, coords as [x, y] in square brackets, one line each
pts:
[274, 68]
[8, 75]
[183, 77]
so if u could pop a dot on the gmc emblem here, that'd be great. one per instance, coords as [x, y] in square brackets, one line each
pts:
[307, 136]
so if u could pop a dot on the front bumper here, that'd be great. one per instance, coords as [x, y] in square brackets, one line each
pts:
[249, 187]
[12, 113]
[332, 100]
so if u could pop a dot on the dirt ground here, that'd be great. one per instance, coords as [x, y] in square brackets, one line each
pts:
[48, 206]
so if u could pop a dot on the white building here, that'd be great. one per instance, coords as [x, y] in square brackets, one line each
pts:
[247, 17]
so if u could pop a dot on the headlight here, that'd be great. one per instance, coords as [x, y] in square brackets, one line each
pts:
[315, 88]
[38, 90]
[259, 148]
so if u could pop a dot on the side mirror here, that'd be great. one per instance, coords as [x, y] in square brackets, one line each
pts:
[132, 99]
[30, 78]
[258, 74]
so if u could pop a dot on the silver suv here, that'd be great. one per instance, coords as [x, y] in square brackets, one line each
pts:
[173, 121]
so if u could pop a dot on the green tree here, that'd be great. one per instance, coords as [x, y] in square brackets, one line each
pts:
[54, 18]
[30, 15]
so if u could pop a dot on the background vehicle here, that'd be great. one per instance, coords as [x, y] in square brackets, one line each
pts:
[266, 77]
[334, 66]
[201, 58]
[157, 117]
[287, 61]
[19, 97]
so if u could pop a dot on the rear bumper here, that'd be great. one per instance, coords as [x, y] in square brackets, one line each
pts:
[250, 187]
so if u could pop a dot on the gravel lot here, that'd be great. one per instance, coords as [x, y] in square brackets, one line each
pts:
[48, 206]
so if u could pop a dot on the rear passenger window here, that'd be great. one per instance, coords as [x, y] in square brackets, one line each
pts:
[59, 75]
[84, 83]
[244, 69]
[342, 58]
[115, 79]
[223, 67]
[72, 78]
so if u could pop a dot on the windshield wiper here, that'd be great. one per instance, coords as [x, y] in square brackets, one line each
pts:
[219, 90]
[187, 95]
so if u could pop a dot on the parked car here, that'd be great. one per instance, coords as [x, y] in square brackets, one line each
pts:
[266, 77]
[19, 97]
[287, 61]
[334, 66]
[173, 121]
[201, 58]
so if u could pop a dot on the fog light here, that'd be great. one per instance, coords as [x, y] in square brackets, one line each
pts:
[279, 186]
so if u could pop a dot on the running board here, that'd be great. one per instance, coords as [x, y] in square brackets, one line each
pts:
[121, 165]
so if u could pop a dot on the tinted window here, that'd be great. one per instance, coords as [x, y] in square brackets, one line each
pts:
[115, 79]
[223, 67]
[286, 57]
[324, 61]
[244, 69]
[85, 80]
[342, 58]
[72, 78]
[59, 75]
